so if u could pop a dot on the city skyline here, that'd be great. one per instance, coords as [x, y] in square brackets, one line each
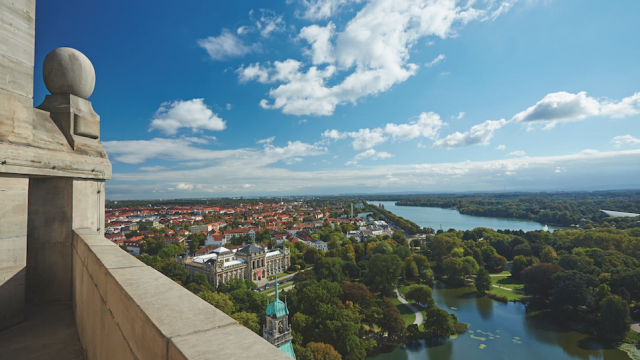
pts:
[337, 96]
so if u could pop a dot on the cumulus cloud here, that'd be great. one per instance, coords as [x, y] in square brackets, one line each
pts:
[460, 115]
[624, 140]
[322, 9]
[266, 141]
[269, 23]
[183, 149]
[564, 107]
[436, 60]
[517, 153]
[226, 46]
[371, 52]
[478, 135]
[183, 186]
[427, 125]
[501, 147]
[191, 114]
[375, 155]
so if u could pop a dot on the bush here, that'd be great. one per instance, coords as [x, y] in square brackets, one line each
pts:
[497, 297]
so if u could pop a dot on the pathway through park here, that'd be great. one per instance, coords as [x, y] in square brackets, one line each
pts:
[419, 319]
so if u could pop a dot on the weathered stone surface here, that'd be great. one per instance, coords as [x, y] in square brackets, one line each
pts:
[50, 211]
[228, 342]
[13, 209]
[12, 294]
[13, 253]
[68, 71]
[88, 205]
[17, 31]
[16, 76]
[49, 332]
[34, 161]
[49, 273]
[86, 127]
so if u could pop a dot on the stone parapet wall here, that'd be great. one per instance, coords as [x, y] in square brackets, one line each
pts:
[127, 310]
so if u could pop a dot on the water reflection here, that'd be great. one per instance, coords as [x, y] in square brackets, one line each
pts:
[502, 331]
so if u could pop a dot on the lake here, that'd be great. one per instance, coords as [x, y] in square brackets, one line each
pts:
[434, 217]
[507, 331]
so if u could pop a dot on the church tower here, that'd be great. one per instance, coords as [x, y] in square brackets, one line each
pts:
[277, 330]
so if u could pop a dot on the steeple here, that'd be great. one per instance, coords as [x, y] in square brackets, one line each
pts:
[277, 329]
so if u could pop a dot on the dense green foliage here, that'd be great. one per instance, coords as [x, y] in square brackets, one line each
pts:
[563, 208]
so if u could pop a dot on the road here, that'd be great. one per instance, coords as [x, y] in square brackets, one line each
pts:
[419, 318]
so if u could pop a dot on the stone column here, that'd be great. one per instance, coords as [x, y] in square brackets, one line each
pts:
[13, 248]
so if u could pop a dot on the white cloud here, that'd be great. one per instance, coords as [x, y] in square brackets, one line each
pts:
[153, 168]
[460, 115]
[427, 125]
[501, 147]
[366, 138]
[436, 60]
[266, 141]
[183, 186]
[564, 107]
[243, 30]
[322, 9]
[226, 46]
[372, 51]
[333, 134]
[229, 106]
[303, 121]
[623, 140]
[270, 23]
[182, 150]
[445, 73]
[191, 114]
[375, 155]
[248, 186]
[251, 166]
[516, 153]
[478, 135]
[351, 162]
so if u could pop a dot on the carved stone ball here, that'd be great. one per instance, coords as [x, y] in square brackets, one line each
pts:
[68, 71]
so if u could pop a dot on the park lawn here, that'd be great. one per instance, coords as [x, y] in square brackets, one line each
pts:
[407, 315]
[403, 290]
[503, 272]
[271, 277]
[508, 282]
[510, 295]
[280, 287]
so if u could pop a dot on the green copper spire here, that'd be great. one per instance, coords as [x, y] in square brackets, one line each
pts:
[277, 308]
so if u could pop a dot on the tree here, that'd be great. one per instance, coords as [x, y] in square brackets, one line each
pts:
[391, 321]
[538, 279]
[358, 294]
[483, 281]
[497, 261]
[614, 318]
[520, 263]
[219, 300]
[453, 268]
[331, 269]
[248, 320]
[470, 266]
[421, 262]
[302, 353]
[421, 294]
[426, 277]
[570, 296]
[383, 248]
[548, 255]
[322, 351]
[383, 273]
[175, 272]
[436, 323]
[402, 252]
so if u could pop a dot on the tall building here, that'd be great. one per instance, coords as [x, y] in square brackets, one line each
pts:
[277, 330]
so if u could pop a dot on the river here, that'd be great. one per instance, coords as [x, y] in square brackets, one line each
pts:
[435, 217]
[496, 330]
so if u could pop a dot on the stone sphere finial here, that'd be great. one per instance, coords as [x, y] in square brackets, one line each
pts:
[68, 71]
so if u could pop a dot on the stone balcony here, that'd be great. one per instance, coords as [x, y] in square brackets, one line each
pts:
[66, 292]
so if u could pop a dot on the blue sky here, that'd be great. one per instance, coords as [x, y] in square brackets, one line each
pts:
[204, 99]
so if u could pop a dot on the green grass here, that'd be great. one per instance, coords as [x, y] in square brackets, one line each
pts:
[271, 277]
[407, 315]
[280, 287]
[510, 295]
[503, 272]
[508, 282]
[632, 337]
[404, 290]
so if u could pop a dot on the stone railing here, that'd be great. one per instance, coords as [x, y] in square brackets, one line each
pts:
[125, 309]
